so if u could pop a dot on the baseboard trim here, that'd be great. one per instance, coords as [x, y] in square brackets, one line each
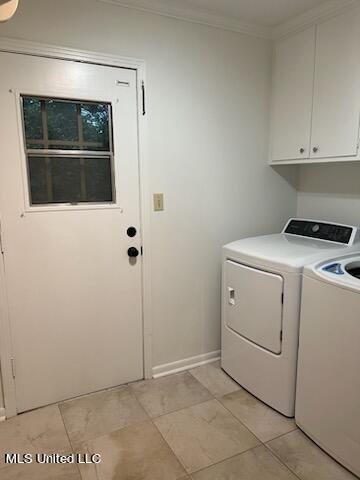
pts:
[185, 364]
[2, 414]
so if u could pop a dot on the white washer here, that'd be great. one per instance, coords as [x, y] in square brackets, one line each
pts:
[261, 290]
[328, 382]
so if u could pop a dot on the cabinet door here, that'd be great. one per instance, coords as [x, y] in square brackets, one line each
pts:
[292, 96]
[335, 127]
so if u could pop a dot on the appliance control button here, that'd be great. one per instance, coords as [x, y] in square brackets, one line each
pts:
[315, 228]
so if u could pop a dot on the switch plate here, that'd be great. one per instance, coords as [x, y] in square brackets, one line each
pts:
[158, 202]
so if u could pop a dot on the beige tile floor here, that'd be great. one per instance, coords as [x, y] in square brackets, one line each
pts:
[197, 425]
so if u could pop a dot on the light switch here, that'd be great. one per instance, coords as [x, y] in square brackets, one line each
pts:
[158, 202]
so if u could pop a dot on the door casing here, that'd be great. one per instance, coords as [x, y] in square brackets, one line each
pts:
[60, 53]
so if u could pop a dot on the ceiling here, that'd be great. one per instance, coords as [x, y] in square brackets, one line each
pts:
[267, 13]
[264, 18]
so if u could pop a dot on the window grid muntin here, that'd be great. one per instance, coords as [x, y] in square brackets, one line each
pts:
[77, 178]
[68, 153]
[47, 142]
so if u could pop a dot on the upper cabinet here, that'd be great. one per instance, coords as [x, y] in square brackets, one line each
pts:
[293, 96]
[335, 126]
[316, 93]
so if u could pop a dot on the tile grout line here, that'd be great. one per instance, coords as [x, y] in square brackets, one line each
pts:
[179, 410]
[242, 453]
[133, 394]
[139, 422]
[242, 423]
[68, 437]
[182, 408]
[265, 443]
[239, 387]
[281, 435]
[152, 420]
[253, 433]
[169, 446]
[149, 419]
[229, 411]
[226, 459]
[190, 474]
[280, 460]
[248, 428]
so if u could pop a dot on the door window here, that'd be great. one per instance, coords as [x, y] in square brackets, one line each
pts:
[69, 151]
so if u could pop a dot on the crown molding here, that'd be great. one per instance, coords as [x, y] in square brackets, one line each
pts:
[204, 17]
[310, 17]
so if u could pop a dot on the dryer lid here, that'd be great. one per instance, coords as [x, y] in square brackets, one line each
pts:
[282, 251]
[301, 242]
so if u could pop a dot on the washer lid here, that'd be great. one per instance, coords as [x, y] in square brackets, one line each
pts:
[282, 251]
[343, 271]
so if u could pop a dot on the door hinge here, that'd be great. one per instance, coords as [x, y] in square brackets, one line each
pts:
[141, 250]
[143, 97]
[281, 335]
[282, 298]
[12, 360]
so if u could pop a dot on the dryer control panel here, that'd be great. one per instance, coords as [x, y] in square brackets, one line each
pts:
[322, 231]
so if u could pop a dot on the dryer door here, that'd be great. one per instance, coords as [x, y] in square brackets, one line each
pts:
[253, 304]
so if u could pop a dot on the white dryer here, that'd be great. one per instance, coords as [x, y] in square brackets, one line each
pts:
[261, 290]
[328, 381]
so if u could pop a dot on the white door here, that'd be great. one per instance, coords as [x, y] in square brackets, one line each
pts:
[335, 126]
[292, 96]
[254, 304]
[69, 191]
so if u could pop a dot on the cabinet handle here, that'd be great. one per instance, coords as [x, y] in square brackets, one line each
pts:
[302, 150]
[315, 149]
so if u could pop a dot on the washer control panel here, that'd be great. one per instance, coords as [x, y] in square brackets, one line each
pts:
[320, 230]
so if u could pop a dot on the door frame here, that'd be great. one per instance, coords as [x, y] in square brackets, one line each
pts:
[15, 46]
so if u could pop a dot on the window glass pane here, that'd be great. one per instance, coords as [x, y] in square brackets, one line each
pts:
[38, 183]
[58, 124]
[98, 180]
[70, 180]
[95, 121]
[32, 119]
[62, 123]
[66, 181]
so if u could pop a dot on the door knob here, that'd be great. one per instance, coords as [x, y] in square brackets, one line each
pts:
[315, 149]
[302, 150]
[133, 252]
[131, 231]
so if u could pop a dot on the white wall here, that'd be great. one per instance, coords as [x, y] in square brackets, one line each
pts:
[208, 93]
[1, 398]
[330, 192]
